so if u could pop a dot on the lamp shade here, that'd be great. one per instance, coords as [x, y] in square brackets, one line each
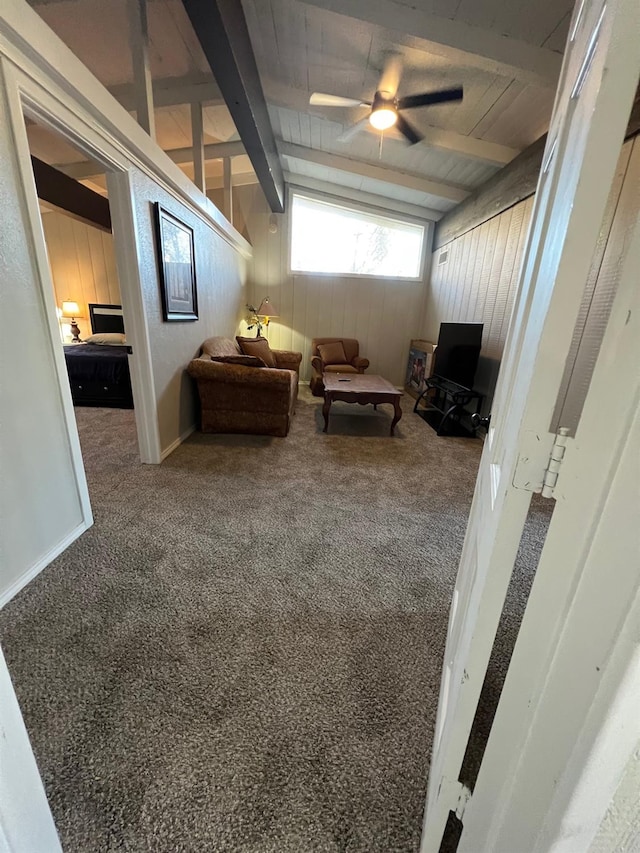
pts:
[71, 309]
[267, 309]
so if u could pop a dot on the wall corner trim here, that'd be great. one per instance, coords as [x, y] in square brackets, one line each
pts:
[178, 441]
[43, 562]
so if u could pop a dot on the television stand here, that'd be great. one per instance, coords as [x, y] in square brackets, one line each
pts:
[444, 410]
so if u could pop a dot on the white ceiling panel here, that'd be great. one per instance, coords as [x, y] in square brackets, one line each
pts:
[523, 120]
[218, 125]
[422, 159]
[98, 33]
[338, 178]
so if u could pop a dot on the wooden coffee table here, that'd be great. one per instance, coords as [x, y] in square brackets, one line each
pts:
[362, 389]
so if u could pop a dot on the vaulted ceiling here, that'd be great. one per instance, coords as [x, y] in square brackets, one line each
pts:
[506, 55]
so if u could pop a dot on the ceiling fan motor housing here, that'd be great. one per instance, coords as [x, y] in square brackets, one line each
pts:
[384, 101]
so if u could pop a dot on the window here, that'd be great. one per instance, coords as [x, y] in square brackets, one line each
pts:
[329, 238]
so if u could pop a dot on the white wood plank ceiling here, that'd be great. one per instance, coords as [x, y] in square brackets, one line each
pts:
[506, 55]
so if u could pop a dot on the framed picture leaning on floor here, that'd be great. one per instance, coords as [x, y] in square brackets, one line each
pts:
[419, 366]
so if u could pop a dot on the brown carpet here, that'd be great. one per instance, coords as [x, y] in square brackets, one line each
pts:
[244, 652]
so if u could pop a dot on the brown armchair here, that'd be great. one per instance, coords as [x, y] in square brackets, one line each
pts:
[236, 396]
[353, 363]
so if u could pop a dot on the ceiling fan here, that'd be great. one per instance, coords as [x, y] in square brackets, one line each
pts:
[386, 106]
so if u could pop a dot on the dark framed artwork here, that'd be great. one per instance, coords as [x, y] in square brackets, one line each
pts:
[177, 266]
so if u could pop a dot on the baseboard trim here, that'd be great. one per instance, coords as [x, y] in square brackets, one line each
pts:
[42, 563]
[182, 437]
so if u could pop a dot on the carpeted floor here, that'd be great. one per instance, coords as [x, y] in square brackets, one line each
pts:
[244, 652]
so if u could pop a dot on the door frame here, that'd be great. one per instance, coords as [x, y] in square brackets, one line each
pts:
[567, 720]
[27, 97]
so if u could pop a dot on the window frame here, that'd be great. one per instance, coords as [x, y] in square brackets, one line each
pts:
[358, 207]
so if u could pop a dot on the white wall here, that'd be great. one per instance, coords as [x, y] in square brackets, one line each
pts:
[383, 314]
[83, 264]
[619, 831]
[220, 276]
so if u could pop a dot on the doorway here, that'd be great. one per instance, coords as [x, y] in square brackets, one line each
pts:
[76, 224]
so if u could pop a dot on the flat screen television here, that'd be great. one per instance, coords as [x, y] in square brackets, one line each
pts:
[456, 356]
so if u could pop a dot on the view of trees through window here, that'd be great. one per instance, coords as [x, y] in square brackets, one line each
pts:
[329, 238]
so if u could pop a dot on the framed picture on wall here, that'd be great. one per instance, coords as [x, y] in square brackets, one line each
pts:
[177, 266]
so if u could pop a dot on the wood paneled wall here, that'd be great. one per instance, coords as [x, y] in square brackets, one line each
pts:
[474, 280]
[82, 262]
[383, 314]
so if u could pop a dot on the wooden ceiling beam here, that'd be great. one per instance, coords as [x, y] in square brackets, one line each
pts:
[197, 149]
[464, 43]
[213, 151]
[180, 156]
[172, 91]
[383, 203]
[139, 44]
[240, 179]
[507, 187]
[418, 183]
[221, 28]
[62, 192]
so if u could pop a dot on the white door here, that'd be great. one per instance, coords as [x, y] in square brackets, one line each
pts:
[26, 824]
[597, 84]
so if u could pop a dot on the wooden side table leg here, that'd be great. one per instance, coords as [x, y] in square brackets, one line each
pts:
[325, 410]
[397, 414]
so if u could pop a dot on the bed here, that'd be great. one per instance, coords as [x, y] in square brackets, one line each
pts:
[99, 373]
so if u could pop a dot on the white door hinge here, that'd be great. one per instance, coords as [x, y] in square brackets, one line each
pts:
[539, 461]
[463, 798]
[555, 461]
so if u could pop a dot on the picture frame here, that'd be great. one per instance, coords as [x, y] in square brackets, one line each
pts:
[414, 380]
[419, 366]
[176, 262]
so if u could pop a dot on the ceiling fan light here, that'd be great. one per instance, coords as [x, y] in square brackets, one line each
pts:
[383, 118]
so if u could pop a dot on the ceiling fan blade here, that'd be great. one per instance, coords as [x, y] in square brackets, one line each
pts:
[354, 130]
[320, 99]
[391, 73]
[408, 131]
[425, 98]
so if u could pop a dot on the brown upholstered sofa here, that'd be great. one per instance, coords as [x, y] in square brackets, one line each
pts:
[353, 364]
[242, 398]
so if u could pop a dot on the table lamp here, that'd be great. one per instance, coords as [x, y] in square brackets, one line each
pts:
[261, 316]
[267, 310]
[71, 310]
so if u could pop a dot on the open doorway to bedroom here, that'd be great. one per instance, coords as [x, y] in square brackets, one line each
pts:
[76, 223]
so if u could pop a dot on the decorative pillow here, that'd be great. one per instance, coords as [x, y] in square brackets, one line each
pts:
[258, 347]
[108, 338]
[332, 353]
[247, 360]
